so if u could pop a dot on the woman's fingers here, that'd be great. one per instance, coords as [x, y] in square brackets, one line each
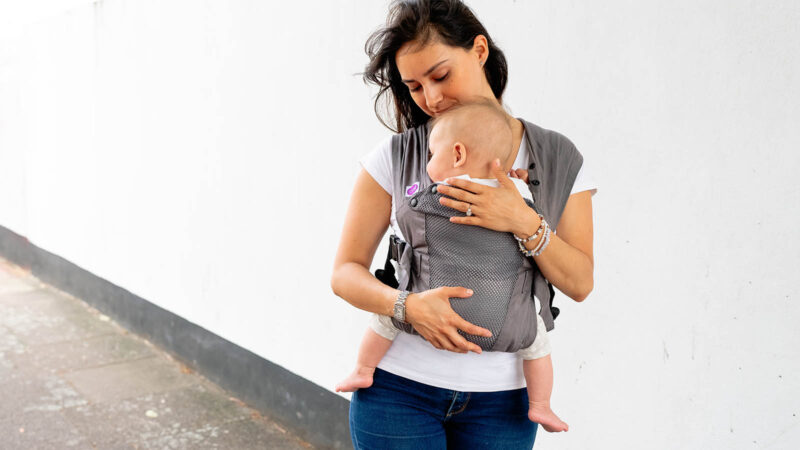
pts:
[448, 345]
[450, 340]
[457, 205]
[466, 220]
[462, 344]
[469, 186]
[457, 291]
[456, 193]
[439, 324]
[461, 324]
[495, 208]
[470, 328]
[440, 341]
[522, 174]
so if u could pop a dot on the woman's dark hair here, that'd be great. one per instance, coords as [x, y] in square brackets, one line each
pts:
[453, 23]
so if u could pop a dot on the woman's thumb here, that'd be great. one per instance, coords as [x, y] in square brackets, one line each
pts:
[501, 176]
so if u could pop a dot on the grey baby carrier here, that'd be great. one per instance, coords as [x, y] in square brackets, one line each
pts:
[441, 253]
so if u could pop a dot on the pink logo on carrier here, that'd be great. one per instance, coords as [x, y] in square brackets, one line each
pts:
[411, 190]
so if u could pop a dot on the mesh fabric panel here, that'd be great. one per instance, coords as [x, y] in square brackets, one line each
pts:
[483, 260]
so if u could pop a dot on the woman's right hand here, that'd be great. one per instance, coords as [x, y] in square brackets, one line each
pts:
[433, 318]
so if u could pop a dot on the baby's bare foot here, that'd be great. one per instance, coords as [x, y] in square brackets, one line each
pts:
[360, 378]
[541, 413]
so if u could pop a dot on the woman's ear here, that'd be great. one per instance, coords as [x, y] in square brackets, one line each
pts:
[459, 154]
[480, 46]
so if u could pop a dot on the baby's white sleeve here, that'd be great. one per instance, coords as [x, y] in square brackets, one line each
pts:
[383, 326]
[378, 163]
[541, 344]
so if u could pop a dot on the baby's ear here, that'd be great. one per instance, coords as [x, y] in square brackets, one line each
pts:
[459, 154]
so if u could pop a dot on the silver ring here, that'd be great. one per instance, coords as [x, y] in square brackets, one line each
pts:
[469, 210]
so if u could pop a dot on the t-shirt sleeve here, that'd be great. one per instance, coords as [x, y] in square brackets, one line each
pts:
[378, 163]
[584, 180]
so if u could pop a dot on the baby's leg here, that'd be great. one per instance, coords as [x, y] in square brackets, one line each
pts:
[539, 380]
[537, 367]
[375, 343]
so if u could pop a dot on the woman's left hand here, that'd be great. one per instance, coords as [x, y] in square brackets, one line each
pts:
[500, 209]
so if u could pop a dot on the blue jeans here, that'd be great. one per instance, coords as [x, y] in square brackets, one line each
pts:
[398, 413]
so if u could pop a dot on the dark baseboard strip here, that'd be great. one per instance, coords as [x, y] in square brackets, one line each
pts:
[311, 412]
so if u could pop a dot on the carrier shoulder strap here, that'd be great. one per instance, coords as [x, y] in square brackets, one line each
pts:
[555, 163]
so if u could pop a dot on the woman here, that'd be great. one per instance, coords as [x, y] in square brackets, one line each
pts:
[431, 56]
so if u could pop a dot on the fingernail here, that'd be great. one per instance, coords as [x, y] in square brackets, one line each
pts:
[469, 291]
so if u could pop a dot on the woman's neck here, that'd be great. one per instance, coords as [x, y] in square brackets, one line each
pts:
[517, 131]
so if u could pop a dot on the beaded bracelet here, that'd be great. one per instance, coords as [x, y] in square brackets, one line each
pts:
[545, 232]
[541, 241]
[542, 224]
[546, 241]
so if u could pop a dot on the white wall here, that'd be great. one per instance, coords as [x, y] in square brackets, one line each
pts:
[201, 154]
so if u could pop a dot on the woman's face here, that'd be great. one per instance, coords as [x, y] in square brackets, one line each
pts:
[439, 76]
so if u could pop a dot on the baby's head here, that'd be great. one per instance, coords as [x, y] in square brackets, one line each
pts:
[466, 139]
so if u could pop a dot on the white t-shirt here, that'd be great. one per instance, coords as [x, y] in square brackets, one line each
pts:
[411, 356]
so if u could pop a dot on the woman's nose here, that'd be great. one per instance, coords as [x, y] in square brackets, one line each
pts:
[433, 96]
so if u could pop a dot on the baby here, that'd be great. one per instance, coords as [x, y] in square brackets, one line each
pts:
[463, 142]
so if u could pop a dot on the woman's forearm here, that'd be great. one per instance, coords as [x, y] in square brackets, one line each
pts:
[566, 267]
[356, 285]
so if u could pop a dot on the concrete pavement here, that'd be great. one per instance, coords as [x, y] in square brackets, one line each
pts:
[72, 378]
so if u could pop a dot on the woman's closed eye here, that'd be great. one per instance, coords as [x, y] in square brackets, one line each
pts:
[419, 86]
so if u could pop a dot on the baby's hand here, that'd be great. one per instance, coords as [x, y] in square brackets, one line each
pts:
[522, 174]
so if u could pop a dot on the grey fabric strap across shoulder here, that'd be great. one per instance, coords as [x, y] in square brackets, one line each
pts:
[441, 253]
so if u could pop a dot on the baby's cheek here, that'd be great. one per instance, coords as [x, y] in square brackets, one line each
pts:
[433, 172]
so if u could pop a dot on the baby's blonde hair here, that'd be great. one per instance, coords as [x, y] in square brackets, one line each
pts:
[481, 125]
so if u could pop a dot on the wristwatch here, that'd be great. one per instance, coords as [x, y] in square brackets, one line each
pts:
[400, 306]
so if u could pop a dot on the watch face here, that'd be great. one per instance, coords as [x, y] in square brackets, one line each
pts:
[399, 313]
